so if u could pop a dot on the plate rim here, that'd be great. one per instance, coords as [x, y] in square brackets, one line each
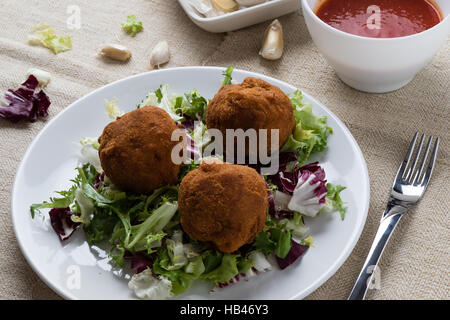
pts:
[311, 288]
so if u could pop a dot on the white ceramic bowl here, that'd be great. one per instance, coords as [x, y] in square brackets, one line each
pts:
[374, 64]
[243, 17]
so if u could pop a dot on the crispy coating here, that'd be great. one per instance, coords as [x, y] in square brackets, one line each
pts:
[135, 150]
[223, 204]
[252, 104]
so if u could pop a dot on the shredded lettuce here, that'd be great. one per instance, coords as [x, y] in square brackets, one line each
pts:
[132, 26]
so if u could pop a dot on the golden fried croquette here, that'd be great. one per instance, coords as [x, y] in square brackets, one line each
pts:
[252, 104]
[135, 150]
[223, 204]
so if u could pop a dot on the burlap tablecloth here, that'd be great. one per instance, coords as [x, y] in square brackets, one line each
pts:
[415, 264]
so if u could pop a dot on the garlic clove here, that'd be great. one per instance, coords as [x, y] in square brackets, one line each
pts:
[160, 54]
[203, 7]
[43, 77]
[116, 52]
[250, 3]
[225, 5]
[273, 44]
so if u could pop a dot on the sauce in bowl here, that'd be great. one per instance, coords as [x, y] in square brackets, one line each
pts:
[379, 18]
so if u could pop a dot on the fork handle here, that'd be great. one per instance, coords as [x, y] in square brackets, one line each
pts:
[390, 219]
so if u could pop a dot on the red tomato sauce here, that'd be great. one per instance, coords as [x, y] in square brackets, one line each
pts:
[379, 18]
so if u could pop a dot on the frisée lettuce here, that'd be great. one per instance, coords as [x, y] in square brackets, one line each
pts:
[144, 230]
[311, 132]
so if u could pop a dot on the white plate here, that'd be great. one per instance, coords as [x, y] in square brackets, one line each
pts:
[241, 18]
[50, 161]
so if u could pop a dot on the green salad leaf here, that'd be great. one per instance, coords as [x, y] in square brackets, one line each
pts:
[311, 132]
[46, 37]
[227, 74]
[196, 106]
[132, 26]
[181, 280]
[147, 226]
[226, 271]
[333, 201]
[275, 238]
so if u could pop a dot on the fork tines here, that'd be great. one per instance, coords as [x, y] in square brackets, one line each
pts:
[408, 171]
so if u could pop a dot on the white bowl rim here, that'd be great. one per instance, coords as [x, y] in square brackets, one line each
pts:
[225, 16]
[354, 36]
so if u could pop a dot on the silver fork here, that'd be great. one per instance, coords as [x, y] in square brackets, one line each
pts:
[408, 188]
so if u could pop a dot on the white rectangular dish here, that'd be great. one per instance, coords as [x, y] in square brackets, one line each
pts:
[241, 18]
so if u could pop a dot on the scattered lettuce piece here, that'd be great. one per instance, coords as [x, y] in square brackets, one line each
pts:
[227, 74]
[132, 26]
[112, 110]
[333, 200]
[46, 37]
[308, 241]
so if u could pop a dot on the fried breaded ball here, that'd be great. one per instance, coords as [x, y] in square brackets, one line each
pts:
[135, 150]
[252, 104]
[223, 204]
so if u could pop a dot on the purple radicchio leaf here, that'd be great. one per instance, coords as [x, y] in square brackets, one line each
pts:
[193, 153]
[304, 184]
[24, 103]
[297, 251]
[62, 223]
[98, 180]
[139, 261]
